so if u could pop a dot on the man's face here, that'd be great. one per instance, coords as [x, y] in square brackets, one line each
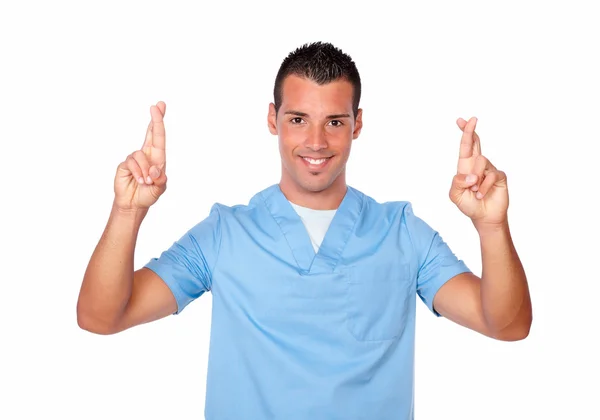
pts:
[316, 126]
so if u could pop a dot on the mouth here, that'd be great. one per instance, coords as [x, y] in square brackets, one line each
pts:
[315, 163]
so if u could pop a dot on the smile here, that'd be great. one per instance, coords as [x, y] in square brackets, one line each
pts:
[315, 161]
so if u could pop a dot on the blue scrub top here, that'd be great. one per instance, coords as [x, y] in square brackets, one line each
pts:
[299, 335]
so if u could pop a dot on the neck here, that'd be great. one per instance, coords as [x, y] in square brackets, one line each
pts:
[327, 199]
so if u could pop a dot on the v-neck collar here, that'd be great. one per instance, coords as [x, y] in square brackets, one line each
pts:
[340, 229]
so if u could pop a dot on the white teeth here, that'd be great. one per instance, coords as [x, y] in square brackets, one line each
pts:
[314, 161]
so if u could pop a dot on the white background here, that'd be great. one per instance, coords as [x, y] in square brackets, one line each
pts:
[76, 83]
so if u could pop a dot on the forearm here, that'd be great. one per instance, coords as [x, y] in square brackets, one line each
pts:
[108, 280]
[504, 291]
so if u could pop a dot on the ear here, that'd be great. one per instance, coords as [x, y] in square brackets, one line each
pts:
[357, 125]
[272, 119]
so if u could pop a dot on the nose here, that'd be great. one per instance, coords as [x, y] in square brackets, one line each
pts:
[317, 139]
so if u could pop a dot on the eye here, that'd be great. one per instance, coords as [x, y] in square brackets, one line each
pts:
[336, 123]
[296, 120]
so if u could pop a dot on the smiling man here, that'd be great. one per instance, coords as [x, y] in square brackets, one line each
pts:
[313, 281]
[317, 122]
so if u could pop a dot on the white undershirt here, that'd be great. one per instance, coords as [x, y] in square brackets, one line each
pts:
[316, 223]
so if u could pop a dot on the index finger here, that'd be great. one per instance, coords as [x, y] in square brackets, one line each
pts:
[158, 128]
[468, 144]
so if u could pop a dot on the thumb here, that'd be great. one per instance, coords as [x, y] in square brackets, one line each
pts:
[462, 182]
[158, 176]
[154, 172]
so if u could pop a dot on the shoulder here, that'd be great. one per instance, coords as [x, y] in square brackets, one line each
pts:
[229, 212]
[390, 210]
[396, 216]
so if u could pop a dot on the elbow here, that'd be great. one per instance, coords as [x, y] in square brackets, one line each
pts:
[519, 328]
[92, 324]
[513, 335]
[515, 332]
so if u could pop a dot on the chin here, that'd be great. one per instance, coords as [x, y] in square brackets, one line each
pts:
[303, 179]
[315, 185]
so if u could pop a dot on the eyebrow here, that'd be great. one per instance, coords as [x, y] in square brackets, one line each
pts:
[304, 114]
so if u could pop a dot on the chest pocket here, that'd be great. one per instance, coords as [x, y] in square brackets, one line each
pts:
[378, 300]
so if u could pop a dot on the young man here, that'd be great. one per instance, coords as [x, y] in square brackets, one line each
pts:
[313, 282]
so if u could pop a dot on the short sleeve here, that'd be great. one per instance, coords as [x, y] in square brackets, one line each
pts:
[436, 262]
[187, 266]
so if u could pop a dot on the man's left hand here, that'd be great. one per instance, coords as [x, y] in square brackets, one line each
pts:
[478, 189]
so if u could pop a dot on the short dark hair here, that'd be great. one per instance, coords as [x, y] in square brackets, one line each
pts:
[322, 63]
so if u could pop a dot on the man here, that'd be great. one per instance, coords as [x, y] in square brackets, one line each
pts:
[313, 282]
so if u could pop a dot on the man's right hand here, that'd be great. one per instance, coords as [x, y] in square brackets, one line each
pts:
[141, 178]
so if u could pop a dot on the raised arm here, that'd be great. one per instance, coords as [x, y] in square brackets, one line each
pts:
[113, 297]
[498, 304]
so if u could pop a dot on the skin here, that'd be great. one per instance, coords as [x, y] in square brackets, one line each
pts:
[498, 303]
[114, 297]
[316, 121]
